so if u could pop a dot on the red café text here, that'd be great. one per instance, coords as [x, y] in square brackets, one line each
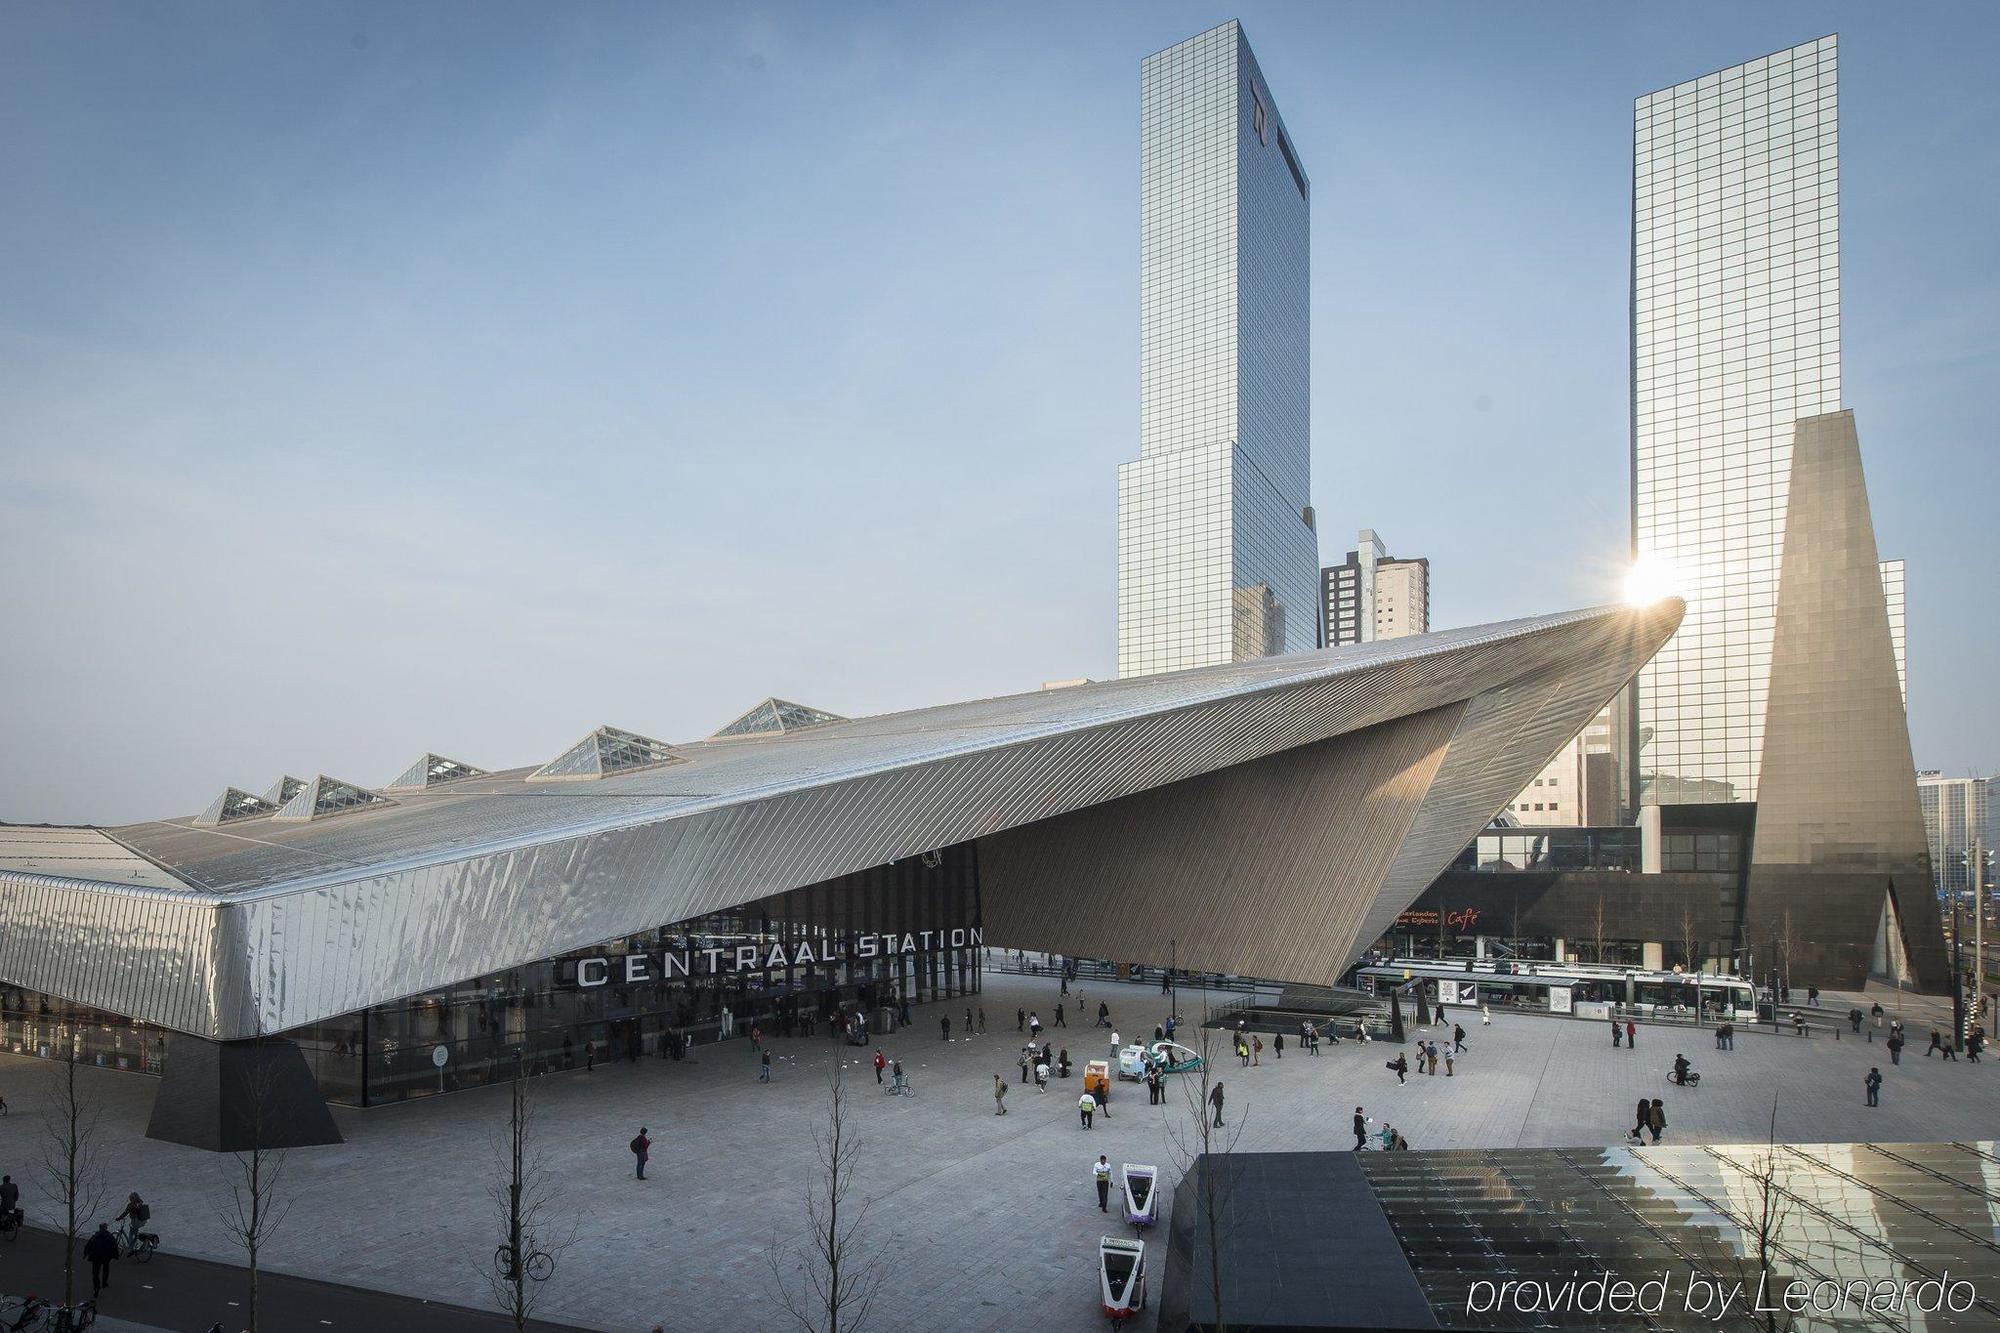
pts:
[1462, 919]
[638, 968]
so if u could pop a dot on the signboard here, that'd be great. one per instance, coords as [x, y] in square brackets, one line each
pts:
[1561, 999]
[1462, 919]
[440, 1054]
[1462, 992]
[638, 968]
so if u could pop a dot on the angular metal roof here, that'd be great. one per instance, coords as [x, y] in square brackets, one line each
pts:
[325, 796]
[774, 717]
[284, 923]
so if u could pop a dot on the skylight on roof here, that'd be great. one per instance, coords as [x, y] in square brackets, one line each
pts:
[284, 789]
[325, 796]
[232, 805]
[605, 751]
[432, 770]
[775, 717]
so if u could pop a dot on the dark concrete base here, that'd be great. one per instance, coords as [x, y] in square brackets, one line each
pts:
[237, 1095]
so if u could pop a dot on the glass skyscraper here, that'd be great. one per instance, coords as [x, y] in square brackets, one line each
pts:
[1735, 336]
[1217, 559]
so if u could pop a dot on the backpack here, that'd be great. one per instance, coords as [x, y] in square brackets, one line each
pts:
[638, 1144]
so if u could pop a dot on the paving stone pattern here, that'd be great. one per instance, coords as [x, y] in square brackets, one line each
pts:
[982, 1221]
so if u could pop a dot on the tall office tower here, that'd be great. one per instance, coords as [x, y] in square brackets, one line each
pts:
[1373, 596]
[1735, 336]
[1892, 596]
[1958, 816]
[1216, 551]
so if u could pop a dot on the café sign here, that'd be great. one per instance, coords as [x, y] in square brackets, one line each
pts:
[638, 968]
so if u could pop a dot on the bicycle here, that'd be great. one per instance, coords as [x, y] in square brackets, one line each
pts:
[1693, 1080]
[539, 1266]
[139, 1251]
[36, 1315]
[10, 1225]
[901, 1088]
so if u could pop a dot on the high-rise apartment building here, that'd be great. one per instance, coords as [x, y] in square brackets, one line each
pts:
[1579, 787]
[1373, 596]
[1216, 550]
[1892, 597]
[1735, 337]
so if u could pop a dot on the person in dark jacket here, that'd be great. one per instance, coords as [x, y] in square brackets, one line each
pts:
[642, 1148]
[1656, 1119]
[100, 1250]
[1360, 1130]
[1215, 1100]
[1874, 1085]
[1399, 1067]
[1639, 1125]
[10, 1195]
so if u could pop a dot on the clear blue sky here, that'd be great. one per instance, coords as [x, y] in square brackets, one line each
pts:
[385, 378]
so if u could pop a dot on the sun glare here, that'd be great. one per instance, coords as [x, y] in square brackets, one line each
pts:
[1649, 580]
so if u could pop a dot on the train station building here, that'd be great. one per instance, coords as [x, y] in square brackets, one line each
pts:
[373, 944]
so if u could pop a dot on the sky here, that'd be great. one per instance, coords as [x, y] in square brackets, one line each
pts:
[378, 379]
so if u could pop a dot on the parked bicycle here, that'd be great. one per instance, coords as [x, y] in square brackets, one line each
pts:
[536, 1264]
[10, 1224]
[35, 1315]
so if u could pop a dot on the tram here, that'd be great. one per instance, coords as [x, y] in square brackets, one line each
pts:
[1564, 988]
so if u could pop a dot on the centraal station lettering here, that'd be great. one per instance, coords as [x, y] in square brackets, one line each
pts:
[637, 968]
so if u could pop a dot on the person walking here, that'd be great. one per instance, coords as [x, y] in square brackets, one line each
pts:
[1449, 1050]
[1812, 996]
[1458, 1036]
[1035, 1026]
[1399, 1067]
[1485, 1016]
[1874, 1085]
[1360, 1130]
[1645, 1114]
[1102, 1170]
[968, 1020]
[1020, 1020]
[1103, 1013]
[764, 1067]
[1278, 1046]
[1041, 1076]
[999, 1095]
[1116, 1046]
[1026, 1061]
[1617, 1034]
[1876, 1010]
[1256, 1049]
[1060, 1022]
[1086, 1107]
[982, 1020]
[1631, 1035]
[1895, 1047]
[1215, 1100]
[880, 1064]
[1949, 1053]
[1854, 1020]
[642, 1148]
[100, 1250]
[1656, 1119]
[1937, 1044]
[944, 1027]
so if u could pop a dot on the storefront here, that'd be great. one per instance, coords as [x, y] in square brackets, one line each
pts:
[825, 962]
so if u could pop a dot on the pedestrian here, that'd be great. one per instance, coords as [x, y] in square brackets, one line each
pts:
[1103, 1013]
[1042, 1076]
[1449, 1051]
[982, 1020]
[1937, 1044]
[1242, 1051]
[999, 1096]
[1876, 1010]
[764, 1067]
[1278, 1046]
[1399, 1067]
[1026, 1061]
[1949, 1053]
[880, 1063]
[1895, 1047]
[1034, 1026]
[1656, 1119]
[1431, 1058]
[1617, 1033]
[1854, 1020]
[1719, 1035]
[1458, 1036]
[1812, 996]
[1020, 1020]
[1086, 1107]
[642, 1148]
[1102, 1170]
[1874, 1085]
[589, 1056]
[1485, 1016]
[1631, 1035]
[100, 1249]
[728, 1022]
[1060, 1022]
[1256, 1049]
[1645, 1113]
[1360, 1130]
[756, 1037]
[968, 1021]
[1215, 1100]
[1975, 1044]
[944, 1027]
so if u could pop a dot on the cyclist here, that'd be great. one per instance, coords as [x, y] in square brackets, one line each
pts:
[1681, 1070]
[136, 1215]
[10, 1196]
[902, 1085]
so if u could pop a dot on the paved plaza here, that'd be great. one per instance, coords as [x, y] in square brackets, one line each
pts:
[982, 1222]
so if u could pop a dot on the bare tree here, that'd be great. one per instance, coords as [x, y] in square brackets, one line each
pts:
[1688, 941]
[72, 1158]
[1200, 1138]
[526, 1197]
[1769, 1210]
[1788, 943]
[1443, 920]
[829, 1285]
[1597, 936]
[256, 1206]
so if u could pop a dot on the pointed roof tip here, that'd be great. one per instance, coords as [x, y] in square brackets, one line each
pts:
[603, 752]
[232, 805]
[775, 717]
[284, 789]
[433, 770]
[325, 796]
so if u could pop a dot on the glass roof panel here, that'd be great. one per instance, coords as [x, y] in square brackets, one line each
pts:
[774, 717]
[232, 805]
[284, 789]
[432, 770]
[607, 750]
[329, 796]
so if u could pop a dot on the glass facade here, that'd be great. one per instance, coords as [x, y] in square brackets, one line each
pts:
[1735, 336]
[1217, 559]
[835, 960]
